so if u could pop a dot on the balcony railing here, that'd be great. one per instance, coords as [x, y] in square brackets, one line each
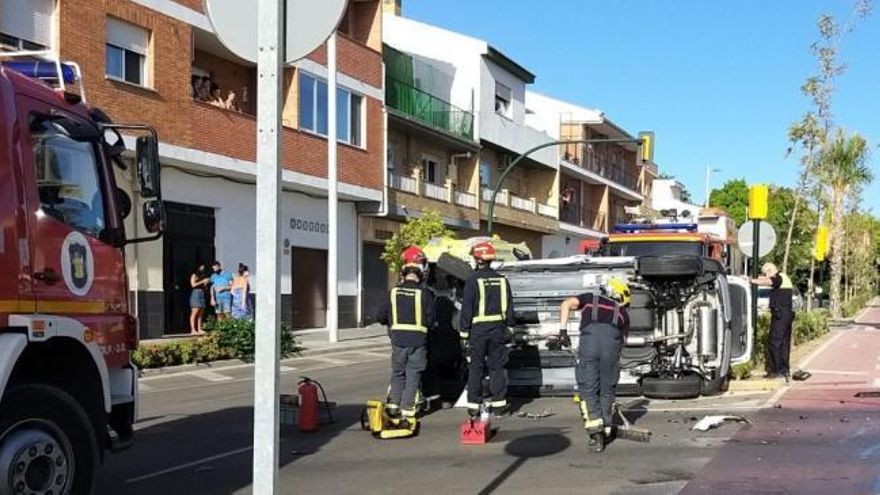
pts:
[434, 191]
[465, 199]
[405, 184]
[522, 203]
[428, 109]
[582, 217]
[546, 210]
[588, 158]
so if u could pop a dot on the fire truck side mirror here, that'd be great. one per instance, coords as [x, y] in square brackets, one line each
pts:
[147, 153]
[154, 216]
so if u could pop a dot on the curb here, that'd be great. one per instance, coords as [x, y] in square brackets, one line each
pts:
[760, 385]
[237, 363]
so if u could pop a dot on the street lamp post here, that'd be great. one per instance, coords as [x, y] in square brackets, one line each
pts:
[491, 212]
[709, 171]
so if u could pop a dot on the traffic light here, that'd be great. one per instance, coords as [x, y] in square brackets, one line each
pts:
[646, 151]
[758, 195]
[821, 243]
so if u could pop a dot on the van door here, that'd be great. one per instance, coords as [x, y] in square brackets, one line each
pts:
[77, 273]
[741, 325]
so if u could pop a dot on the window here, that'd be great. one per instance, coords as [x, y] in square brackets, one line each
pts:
[484, 174]
[502, 99]
[67, 178]
[127, 52]
[26, 24]
[313, 110]
[430, 170]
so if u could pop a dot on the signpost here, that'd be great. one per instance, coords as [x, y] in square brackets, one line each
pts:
[277, 32]
[758, 210]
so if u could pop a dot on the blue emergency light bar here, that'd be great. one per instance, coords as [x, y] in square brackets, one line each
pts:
[42, 69]
[630, 228]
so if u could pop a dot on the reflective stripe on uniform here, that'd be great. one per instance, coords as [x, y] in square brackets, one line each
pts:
[482, 317]
[416, 295]
[786, 282]
[498, 403]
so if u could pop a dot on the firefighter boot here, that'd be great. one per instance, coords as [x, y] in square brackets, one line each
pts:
[595, 429]
[596, 442]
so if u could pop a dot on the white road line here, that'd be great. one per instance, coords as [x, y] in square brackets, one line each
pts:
[876, 383]
[877, 367]
[373, 354]
[192, 372]
[188, 465]
[809, 359]
[329, 360]
[143, 387]
[212, 376]
[286, 369]
[834, 372]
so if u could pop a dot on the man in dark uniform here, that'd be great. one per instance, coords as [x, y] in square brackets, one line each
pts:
[409, 314]
[781, 319]
[486, 312]
[604, 323]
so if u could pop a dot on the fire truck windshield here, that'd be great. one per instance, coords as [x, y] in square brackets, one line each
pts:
[654, 248]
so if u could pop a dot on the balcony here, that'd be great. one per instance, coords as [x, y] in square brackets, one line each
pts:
[428, 109]
[588, 158]
[584, 218]
[514, 202]
[436, 192]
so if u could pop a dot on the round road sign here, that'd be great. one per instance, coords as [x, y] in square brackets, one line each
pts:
[766, 239]
[308, 24]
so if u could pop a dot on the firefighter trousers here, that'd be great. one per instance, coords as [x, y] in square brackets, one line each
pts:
[598, 369]
[780, 340]
[407, 365]
[487, 350]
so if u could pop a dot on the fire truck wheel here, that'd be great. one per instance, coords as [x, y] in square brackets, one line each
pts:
[47, 443]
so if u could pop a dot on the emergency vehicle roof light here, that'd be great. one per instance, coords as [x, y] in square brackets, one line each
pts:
[45, 66]
[630, 228]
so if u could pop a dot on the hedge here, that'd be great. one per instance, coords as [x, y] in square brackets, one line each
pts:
[230, 339]
[807, 326]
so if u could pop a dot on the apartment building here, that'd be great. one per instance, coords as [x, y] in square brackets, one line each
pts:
[599, 181]
[147, 61]
[471, 97]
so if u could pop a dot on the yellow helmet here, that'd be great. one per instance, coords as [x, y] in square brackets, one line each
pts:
[618, 290]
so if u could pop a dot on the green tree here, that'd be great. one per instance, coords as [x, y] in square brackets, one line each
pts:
[416, 231]
[733, 197]
[843, 171]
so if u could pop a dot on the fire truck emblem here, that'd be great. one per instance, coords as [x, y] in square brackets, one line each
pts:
[77, 264]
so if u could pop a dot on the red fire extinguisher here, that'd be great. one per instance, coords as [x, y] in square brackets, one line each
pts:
[308, 405]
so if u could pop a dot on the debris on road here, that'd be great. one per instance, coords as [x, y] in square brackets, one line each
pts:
[872, 393]
[801, 375]
[710, 422]
[545, 413]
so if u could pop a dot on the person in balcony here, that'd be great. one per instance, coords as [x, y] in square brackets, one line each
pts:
[231, 102]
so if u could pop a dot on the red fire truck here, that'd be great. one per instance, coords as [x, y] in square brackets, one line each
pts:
[68, 391]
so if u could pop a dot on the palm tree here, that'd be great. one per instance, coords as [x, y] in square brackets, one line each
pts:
[842, 171]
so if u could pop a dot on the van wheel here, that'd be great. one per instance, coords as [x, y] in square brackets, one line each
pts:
[667, 387]
[47, 443]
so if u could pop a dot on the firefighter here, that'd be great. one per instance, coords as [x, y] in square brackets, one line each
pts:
[781, 319]
[604, 323]
[409, 314]
[486, 313]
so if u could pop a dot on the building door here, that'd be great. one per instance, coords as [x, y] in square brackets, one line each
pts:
[309, 291]
[188, 242]
[375, 282]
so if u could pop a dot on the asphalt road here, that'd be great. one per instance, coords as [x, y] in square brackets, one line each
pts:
[195, 435]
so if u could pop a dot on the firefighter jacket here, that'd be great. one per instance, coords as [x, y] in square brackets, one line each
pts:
[487, 303]
[409, 313]
[596, 308]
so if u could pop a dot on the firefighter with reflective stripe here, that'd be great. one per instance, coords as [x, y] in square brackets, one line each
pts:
[604, 323]
[486, 312]
[781, 319]
[409, 314]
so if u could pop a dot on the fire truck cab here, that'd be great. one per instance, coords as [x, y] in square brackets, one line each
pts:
[68, 391]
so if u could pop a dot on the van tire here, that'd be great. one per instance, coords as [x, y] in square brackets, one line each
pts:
[665, 387]
[45, 417]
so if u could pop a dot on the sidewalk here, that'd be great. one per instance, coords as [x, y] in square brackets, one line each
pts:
[313, 341]
[820, 437]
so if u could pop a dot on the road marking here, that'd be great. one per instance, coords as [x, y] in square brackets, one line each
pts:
[212, 376]
[809, 359]
[834, 372]
[286, 369]
[876, 383]
[877, 367]
[187, 465]
[329, 360]
[195, 371]
[143, 387]
[373, 354]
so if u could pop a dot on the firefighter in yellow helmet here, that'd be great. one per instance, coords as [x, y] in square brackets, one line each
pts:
[409, 314]
[604, 323]
[486, 312]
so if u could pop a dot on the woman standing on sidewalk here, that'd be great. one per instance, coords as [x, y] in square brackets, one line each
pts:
[198, 281]
[240, 288]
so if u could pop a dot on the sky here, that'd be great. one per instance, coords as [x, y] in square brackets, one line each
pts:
[717, 81]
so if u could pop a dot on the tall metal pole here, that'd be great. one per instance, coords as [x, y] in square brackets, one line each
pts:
[270, 15]
[491, 212]
[756, 231]
[708, 175]
[332, 201]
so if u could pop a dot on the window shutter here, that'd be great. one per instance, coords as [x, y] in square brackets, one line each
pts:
[29, 20]
[127, 36]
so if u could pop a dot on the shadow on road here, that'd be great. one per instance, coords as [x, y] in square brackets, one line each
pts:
[212, 453]
[539, 442]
